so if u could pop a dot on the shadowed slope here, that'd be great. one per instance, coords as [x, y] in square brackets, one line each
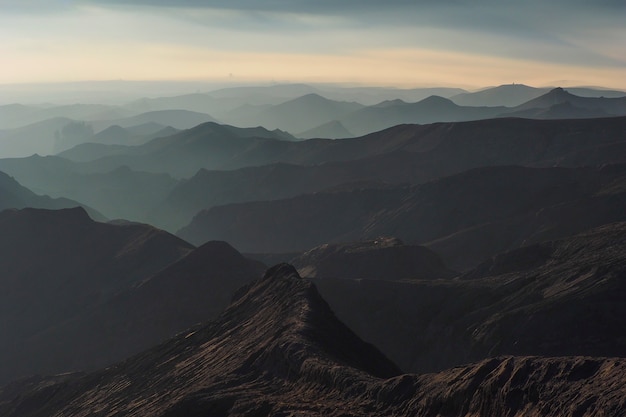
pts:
[192, 290]
[556, 298]
[56, 264]
[466, 218]
[278, 346]
[279, 350]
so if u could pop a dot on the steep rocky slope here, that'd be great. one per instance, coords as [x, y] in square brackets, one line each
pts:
[279, 350]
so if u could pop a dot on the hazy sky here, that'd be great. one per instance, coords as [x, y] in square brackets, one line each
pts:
[392, 42]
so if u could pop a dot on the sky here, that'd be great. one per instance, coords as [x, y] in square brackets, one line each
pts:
[399, 43]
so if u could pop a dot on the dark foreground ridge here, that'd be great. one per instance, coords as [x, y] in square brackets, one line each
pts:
[279, 350]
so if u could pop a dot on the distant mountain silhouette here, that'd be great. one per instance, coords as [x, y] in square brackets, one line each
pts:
[564, 110]
[279, 350]
[100, 145]
[209, 145]
[15, 196]
[297, 115]
[36, 138]
[438, 147]
[15, 115]
[466, 217]
[313, 110]
[596, 92]
[57, 264]
[363, 95]
[611, 106]
[430, 110]
[179, 119]
[331, 130]
[509, 95]
[196, 102]
[409, 154]
[276, 181]
[118, 193]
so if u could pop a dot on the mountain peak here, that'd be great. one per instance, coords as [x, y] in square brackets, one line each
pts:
[558, 91]
[294, 330]
[282, 271]
[437, 101]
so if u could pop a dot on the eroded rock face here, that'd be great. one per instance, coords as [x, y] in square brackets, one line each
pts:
[279, 350]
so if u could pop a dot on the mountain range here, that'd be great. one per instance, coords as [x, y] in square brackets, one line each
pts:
[431, 252]
[143, 183]
[466, 217]
[303, 111]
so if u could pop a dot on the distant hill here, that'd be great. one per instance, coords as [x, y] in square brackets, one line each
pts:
[509, 95]
[134, 135]
[374, 95]
[15, 196]
[331, 130]
[115, 140]
[15, 115]
[179, 119]
[87, 152]
[403, 154]
[512, 95]
[564, 110]
[38, 138]
[197, 102]
[55, 135]
[118, 193]
[430, 110]
[297, 115]
[275, 181]
[466, 217]
[611, 106]
[596, 92]
[209, 145]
